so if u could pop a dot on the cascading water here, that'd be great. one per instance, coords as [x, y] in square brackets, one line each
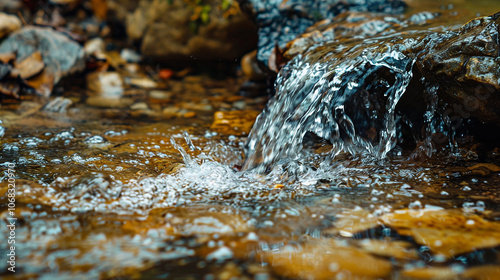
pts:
[315, 93]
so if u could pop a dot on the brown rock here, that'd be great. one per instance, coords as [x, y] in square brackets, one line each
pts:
[235, 122]
[445, 232]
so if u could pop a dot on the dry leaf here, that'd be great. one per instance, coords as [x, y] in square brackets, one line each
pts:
[100, 8]
[30, 66]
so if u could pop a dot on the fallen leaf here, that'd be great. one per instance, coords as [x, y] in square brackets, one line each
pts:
[8, 24]
[30, 66]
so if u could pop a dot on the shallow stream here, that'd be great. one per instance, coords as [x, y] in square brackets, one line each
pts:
[133, 194]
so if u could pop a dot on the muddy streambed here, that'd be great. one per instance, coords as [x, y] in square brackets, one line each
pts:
[155, 191]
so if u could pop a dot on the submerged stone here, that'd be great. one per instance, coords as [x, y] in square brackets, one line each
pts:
[280, 21]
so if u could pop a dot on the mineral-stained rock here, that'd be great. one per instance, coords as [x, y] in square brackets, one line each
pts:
[184, 31]
[8, 24]
[281, 21]
[467, 66]
[351, 91]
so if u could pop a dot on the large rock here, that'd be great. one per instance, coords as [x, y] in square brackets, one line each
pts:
[177, 31]
[280, 21]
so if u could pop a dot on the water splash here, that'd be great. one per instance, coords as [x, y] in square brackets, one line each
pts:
[350, 103]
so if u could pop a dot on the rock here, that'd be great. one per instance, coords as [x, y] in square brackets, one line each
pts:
[8, 24]
[250, 67]
[94, 47]
[61, 55]
[109, 102]
[448, 233]
[234, 122]
[160, 95]
[58, 105]
[30, 66]
[182, 31]
[139, 106]
[281, 21]
[105, 84]
[143, 82]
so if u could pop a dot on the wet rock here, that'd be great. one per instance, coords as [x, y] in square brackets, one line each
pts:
[8, 24]
[130, 56]
[105, 84]
[280, 22]
[30, 66]
[351, 91]
[466, 66]
[250, 67]
[61, 55]
[181, 31]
